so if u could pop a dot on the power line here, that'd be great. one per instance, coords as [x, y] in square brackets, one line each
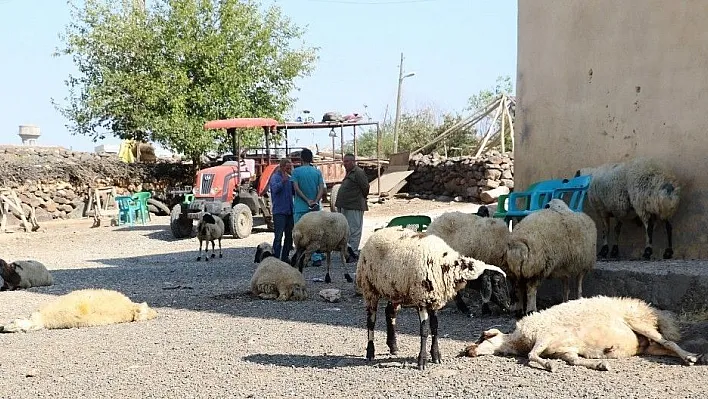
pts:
[372, 3]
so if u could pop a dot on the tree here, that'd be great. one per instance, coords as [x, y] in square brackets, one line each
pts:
[160, 73]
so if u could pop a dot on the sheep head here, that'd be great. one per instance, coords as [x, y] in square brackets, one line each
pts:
[471, 269]
[144, 312]
[11, 279]
[263, 250]
[483, 211]
[494, 289]
[490, 342]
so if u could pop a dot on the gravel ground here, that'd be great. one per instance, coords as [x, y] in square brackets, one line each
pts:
[213, 340]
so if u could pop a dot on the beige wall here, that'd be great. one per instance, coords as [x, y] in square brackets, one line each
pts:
[647, 94]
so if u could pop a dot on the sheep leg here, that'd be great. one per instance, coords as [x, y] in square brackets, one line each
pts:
[520, 300]
[615, 248]
[434, 348]
[199, 257]
[213, 249]
[221, 255]
[669, 251]
[581, 276]
[535, 355]
[651, 333]
[461, 305]
[328, 279]
[370, 324]
[571, 357]
[391, 311]
[566, 289]
[424, 332]
[531, 288]
[605, 233]
[648, 235]
[343, 254]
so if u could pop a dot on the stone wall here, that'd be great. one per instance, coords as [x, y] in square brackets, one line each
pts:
[55, 181]
[462, 178]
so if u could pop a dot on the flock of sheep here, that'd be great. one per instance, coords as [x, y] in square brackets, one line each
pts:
[427, 270]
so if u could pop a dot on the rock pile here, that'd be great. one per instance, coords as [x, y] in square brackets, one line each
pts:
[480, 179]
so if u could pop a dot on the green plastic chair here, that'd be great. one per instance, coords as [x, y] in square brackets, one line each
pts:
[415, 222]
[127, 209]
[141, 200]
[188, 198]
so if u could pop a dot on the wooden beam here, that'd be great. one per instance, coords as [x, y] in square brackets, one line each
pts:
[487, 136]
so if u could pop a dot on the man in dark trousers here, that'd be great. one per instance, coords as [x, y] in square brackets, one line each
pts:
[351, 202]
[281, 191]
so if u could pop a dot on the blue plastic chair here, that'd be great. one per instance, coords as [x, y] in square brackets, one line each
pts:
[534, 199]
[127, 209]
[577, 187]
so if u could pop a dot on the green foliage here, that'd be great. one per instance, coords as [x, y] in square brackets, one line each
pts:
[415, 130]
[160, 74]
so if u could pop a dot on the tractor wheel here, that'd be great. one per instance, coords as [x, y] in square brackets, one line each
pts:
[179, 224]
[333, 197]
[241, 221]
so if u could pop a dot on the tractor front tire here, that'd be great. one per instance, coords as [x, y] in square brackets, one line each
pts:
[180, 225]
[241, 221]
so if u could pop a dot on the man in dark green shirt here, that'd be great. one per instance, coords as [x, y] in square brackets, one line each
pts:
[351, 202]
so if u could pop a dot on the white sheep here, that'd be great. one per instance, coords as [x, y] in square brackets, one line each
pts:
[83, 308]
[554, 242]
[589, 328]
[320, 231]
[411, 269]
[275, 279]
[209, 229]
[481, 237]
[639, 188]
[23, 274]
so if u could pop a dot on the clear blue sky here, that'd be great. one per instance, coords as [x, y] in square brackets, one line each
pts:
[455, 47]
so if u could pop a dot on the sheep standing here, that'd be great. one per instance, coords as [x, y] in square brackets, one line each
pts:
[23, 274]
[481, 237]
[209, 229]
[554, 242]
[589, 328]
[275, 279]
[320, 231]
[411, 269]
[83, 308]
[640, 189]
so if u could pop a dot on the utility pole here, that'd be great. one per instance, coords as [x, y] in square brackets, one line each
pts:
[401, 76]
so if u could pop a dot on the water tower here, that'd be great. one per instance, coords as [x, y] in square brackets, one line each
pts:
[29, 134]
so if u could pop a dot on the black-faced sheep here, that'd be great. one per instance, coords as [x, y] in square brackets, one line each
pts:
[554, 242]
[209, 229]
[275, 279]
[481, 237]
[83, 308]
[320, 231]
[639, 188]
[589, 328]
[411, 269]
[23, 274]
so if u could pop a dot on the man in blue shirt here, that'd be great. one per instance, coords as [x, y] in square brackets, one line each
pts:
[309, 190]
[281, 192]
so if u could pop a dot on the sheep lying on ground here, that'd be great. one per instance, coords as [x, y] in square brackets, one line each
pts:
[483, 238]
[83, 308]
[636, 189]
[23, 274]
[695, 339]
[209, 229]
[588, 328]
[275, 279]
[411, 269]
[554, 242]
[320, 231]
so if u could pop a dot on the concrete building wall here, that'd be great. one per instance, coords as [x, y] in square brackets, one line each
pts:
[604, 81]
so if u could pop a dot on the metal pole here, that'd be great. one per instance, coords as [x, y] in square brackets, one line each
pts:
[378, 158]
[398, 107]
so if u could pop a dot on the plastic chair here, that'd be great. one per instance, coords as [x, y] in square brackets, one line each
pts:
[415, 222]
[578, 189]
[188, 198]
[502, 207]
[127, 209]
[141, 201]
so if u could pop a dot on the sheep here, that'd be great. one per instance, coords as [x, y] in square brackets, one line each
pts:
[210, 228]
[600, 327]
[83, 308]
[275, 279]
[23, 274]
[637, 189]
[411, 269]
[320, 231]
[554, 242]
[483, 238]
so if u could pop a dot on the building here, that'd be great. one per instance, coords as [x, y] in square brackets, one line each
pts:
[29, 134]
[604, 81]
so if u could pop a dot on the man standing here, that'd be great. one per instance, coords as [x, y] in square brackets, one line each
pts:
[351, 202]
[281, 192]
[309, 190]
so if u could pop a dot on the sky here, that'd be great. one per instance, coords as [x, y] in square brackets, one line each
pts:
[455, 48]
